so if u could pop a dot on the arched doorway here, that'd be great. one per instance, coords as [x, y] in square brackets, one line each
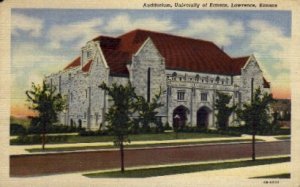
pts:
[203, 117]
[79, 123]
[180, 116]
[71, 122]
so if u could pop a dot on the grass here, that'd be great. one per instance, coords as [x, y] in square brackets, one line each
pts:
[283, 138]
[144, 137]
[278, 176]
[77, 148]
[138, 137]
[171, 170]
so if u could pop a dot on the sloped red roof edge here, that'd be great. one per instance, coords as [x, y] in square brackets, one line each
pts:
[157, 32]
[74, 63]
[116, 60]
[238, 63]
[266, 83]
[87, 66]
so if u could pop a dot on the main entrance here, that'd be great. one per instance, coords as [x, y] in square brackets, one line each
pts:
[180, 116]
[79, 123]
[203, 117]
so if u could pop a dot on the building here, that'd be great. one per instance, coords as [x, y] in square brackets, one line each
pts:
[282, 109]
[188, 71]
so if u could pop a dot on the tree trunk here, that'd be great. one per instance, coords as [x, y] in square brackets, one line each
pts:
[122, 156]
[43, 137]
[253, 142]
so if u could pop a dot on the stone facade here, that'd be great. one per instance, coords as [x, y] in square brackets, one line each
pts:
[188, 96]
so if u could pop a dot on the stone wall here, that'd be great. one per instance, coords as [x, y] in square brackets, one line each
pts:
[87, 103]
[251, 71]
[193, 85]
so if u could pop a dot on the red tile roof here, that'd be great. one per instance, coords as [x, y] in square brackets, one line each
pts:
[87, 66]
[74, 63]
[180, 53]
[266, 83]
[237, 64]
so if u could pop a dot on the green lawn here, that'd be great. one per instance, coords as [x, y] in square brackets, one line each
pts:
[283, 138]
[134, 137]
[171, 170]
[133, 145]
[144, 137]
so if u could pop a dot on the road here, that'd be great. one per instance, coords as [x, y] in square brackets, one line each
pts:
[54, 163]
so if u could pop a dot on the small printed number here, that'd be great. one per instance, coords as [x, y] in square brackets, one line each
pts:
[271, 182]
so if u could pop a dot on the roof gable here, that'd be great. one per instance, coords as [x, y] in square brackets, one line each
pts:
[180, 53]
[238, 63]
[74, 63]
[87, 66]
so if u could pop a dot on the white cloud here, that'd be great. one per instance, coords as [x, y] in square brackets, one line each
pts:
[270, 43]
[273, 51]
[27, 55]
[29, 24]
[30, 63]
[124, 23]
[218, 30]
[79, 31]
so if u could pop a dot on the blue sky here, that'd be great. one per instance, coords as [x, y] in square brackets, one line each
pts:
[45, 40]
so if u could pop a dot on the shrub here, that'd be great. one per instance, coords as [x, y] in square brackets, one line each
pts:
[135, 129]
[93, 133]
[167, 126]
[37, 139]
[53, 129]
[17, 129]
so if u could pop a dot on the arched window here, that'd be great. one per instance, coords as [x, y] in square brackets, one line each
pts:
[197, 77]
[217, 79]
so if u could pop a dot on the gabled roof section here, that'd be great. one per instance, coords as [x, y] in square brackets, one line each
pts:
[74, 63]
[237, 64]
[266, 83]
[180, 53]
[117, 60]
[87, 66]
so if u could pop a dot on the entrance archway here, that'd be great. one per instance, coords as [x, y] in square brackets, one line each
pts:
[203, 117]
[79, 123]
[180, 116]
[71, 122]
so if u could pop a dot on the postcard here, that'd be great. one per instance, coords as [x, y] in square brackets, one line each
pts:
[149, 93]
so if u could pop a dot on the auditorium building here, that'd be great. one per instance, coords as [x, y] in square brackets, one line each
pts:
[188, 71]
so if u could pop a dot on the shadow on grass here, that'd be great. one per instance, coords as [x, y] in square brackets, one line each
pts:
[170, 170]
[279, 176]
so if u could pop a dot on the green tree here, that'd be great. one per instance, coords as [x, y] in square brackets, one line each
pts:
[148, 110]
[256, 115]
[257, 112]
[119, 114]
[47, 103]
[224, 110]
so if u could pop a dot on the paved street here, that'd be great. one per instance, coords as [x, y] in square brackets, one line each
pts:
[41, 164]
[204, 178]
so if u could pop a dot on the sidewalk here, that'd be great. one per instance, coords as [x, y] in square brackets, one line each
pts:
[20, 149]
